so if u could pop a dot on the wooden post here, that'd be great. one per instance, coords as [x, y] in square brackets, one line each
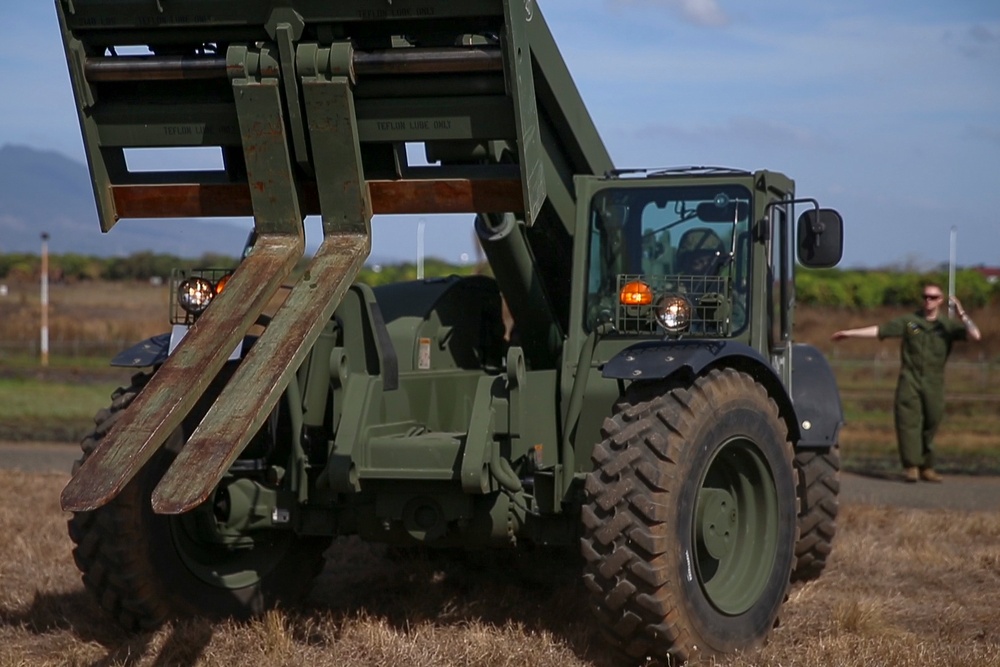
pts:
[44, 343]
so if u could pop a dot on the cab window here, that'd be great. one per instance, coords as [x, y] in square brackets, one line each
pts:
[692, 234]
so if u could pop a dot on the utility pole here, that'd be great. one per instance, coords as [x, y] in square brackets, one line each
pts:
[44, 343]
[420, 249]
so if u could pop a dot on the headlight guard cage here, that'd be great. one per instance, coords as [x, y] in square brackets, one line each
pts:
[177, 313]
[708, 295]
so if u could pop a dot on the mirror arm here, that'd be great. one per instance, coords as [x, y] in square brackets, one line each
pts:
[817, 227]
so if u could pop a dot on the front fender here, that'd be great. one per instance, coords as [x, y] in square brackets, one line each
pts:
[150, 352]
[659, 359]
[154, 351]
[816, 398]
[662, 359]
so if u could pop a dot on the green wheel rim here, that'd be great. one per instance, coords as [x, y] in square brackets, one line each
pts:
[735, 531]
[221, 558]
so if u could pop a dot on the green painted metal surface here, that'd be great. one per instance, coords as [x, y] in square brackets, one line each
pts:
[266, 152]
[735, 527]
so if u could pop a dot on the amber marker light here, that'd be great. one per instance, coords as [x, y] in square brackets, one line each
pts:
[636, 293]
[221, 285]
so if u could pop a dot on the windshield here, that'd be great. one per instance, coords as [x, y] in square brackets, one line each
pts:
[689, 239]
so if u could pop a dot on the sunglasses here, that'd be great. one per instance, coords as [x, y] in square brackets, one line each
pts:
[932, 297]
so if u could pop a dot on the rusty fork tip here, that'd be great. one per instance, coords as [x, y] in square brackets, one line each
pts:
[81, 494]
[167, 505]
[72, 503]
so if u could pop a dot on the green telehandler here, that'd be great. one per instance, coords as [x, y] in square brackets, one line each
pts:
[644, 402]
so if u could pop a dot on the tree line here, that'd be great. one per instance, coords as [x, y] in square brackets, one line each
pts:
[842, 288]
[855, 288]
[71, 267]
[144, 266]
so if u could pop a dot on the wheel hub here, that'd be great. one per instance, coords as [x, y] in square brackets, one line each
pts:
[717, 522]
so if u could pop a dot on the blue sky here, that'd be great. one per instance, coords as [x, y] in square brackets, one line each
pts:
[888, 111]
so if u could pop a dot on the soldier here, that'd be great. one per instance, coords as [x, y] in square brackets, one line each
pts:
[927, 337]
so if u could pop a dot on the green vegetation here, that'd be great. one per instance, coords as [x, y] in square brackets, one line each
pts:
[21, 363]
[72, 267]
[40, 409]
[870, 289]
[854, 288]
[147, 265]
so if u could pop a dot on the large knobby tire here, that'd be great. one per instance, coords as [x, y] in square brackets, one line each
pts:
[819, 488]
[145, 569]
[690, 519]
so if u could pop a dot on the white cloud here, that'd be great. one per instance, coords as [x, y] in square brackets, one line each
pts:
[699, 12]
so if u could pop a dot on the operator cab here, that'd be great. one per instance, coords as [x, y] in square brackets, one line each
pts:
[679, 241]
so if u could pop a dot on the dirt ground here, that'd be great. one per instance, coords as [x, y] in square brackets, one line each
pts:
[958, 492]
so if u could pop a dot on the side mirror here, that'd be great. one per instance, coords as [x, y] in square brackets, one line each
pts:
[820, 238]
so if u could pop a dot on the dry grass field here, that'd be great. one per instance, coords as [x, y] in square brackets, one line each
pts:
[85, 314]
[907, 588]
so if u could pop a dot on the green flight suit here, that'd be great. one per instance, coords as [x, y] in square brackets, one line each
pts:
[919, 404]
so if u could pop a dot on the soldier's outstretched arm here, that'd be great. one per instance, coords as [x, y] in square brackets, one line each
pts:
[862, 332]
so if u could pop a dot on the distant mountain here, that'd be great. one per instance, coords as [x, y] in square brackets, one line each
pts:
[43, 191]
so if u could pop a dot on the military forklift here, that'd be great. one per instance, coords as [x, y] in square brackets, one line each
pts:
[647, 406]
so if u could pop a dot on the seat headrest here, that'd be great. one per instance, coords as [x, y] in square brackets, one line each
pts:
[700, 239]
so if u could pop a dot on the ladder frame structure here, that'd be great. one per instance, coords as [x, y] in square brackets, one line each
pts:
[312, 107]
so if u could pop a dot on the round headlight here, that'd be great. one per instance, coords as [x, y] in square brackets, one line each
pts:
[194, 295]
[673, 313]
